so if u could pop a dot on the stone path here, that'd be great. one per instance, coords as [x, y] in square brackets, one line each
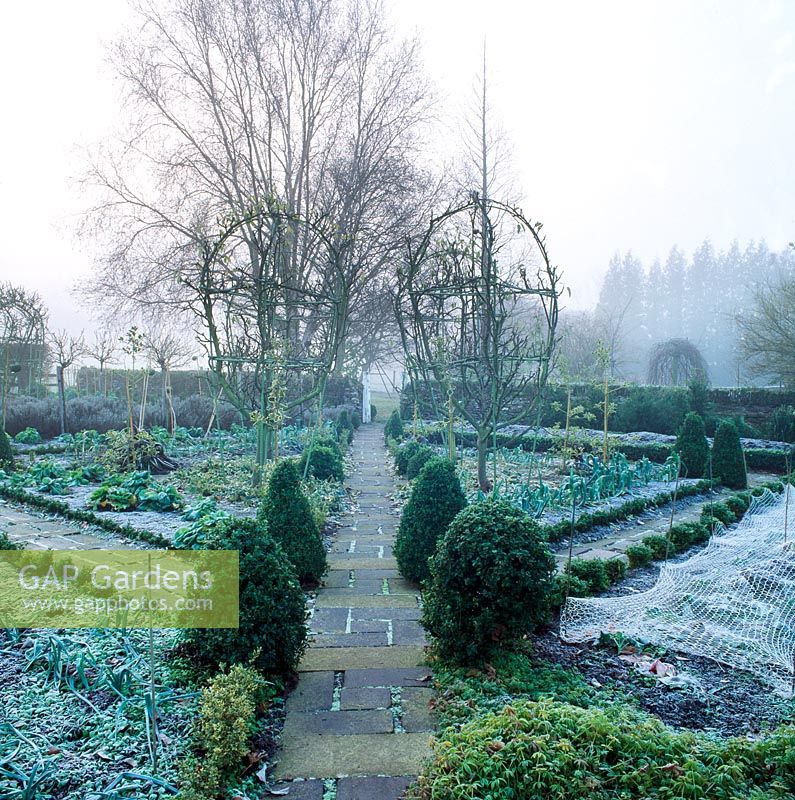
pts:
[358, 723]
[43, 533]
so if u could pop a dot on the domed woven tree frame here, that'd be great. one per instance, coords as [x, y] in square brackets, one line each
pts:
[676, 362]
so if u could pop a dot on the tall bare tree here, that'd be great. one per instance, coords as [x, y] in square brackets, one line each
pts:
[296, 125]
[102, 349]
[23, 320]
[477, 302]
[65, 349]
[168, 351]
[768, 332]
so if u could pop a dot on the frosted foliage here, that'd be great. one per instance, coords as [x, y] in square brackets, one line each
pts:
[734, 601]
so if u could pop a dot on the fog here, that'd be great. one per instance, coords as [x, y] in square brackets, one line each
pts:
[634, 126]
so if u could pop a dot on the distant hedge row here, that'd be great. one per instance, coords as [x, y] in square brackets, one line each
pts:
[757, 459]
[658, 409]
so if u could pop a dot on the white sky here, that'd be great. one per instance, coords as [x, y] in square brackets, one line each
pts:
[634, 125]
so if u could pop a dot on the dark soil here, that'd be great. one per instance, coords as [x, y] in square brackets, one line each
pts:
[722, 700]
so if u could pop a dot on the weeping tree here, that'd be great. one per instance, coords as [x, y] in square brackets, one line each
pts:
[676, 362]
[477, 304]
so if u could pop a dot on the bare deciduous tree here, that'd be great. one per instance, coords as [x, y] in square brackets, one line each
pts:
[23, 320]
[307, 112]
[102, 350]
[168, 351]
[477, 303]
[768, 332]
[65, 349]
[481, 327]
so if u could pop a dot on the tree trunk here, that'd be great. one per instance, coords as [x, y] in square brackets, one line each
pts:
[483, 453]
[171, 417]
[61, 397]
[366, 395]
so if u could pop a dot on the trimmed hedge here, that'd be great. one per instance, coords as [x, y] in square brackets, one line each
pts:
[592, 572]
[394, 427]
[492, 577]
[692, 446]
[325, 461]
[272, 632]
[639, 555]
[436, 498]
[6, 453]
[286, 512]
[587, 577]
[757, 458]
[631, 508]
[420, 458]
[781, 425]
[727, 457]
[403, 455]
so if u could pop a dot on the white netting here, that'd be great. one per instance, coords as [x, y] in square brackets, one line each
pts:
[734, 601]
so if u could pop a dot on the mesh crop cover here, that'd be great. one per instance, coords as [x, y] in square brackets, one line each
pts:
[734, 601]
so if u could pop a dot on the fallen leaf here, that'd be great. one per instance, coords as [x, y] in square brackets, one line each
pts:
[166, 740]
[103, 756]
[51, 751]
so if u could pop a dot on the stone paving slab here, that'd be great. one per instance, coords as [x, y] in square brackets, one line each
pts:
[348, 658]
[371, 527]
[338, 723]
[417, 715]
[369, 625]
[337, 579]
[389, 676]
[598, 552]
[408, 632]
[354, 639]
[352, 756]
[349, 591]
[390, 613]
[372, 788]
[301, 790]
[367, 601]
[362, 697]
[315, 692]
[329, 620]
[351, 561]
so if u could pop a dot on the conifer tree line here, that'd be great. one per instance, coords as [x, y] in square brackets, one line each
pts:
[703, 297]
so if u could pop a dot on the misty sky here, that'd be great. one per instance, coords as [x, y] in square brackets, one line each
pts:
[634, 125]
